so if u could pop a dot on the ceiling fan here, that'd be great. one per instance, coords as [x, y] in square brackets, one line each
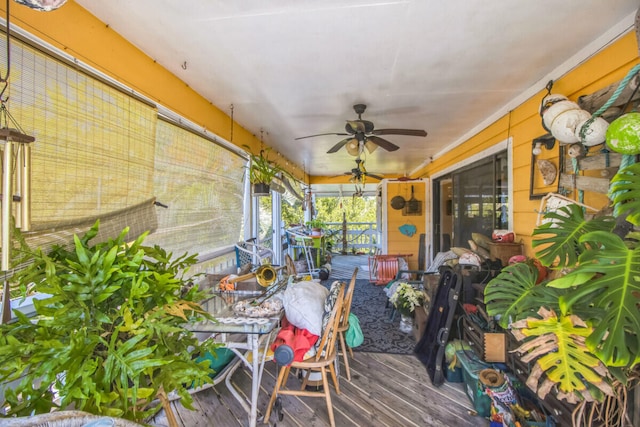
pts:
[359, 173]
[361, 134]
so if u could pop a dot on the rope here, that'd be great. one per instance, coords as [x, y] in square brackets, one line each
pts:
[627, 160]
[623, 84]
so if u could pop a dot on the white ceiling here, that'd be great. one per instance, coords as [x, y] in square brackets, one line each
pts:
[292, 68]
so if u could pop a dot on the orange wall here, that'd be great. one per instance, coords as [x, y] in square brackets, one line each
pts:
[524, 124]
[397, 242]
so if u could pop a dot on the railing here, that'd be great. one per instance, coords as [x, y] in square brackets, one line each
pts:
[352, 237]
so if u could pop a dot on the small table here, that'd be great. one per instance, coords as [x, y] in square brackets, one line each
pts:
[256, 329]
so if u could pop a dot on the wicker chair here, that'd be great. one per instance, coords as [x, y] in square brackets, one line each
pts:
[249, 253]
[70, 419]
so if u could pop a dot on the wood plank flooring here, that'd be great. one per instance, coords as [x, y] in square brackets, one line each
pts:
[386, 390]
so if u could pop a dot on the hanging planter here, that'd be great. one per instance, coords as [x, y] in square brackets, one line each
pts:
[263, 172]
[261, 189]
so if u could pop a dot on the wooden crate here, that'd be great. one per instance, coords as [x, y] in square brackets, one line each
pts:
[504, 251]
[490, 346]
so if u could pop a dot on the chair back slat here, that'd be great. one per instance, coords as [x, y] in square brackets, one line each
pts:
[328, 338]
[348, 298]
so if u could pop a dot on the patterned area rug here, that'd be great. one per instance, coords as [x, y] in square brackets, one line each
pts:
[381, 335]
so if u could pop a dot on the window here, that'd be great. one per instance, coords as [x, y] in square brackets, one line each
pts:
[480, 199]
[472, 199]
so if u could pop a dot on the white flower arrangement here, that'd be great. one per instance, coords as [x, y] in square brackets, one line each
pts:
[406, 298]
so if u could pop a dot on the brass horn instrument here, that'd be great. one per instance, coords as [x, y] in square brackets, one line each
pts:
[266, 275]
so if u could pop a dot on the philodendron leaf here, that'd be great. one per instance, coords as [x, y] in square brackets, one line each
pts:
[609, 277]
[560, 356]
[513, 294]
[625, 193]
[559, 240]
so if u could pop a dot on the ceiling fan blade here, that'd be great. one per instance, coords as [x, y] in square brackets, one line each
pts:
[339, 145]
[383, 143]
[321, 134]
[410, 132]
[370, 175]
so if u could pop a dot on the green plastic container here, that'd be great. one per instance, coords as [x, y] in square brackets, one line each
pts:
[471, 367]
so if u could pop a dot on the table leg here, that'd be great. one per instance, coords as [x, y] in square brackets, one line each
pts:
[256, 367]
[256, 373]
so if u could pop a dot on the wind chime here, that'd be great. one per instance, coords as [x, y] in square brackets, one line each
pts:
[16, 180]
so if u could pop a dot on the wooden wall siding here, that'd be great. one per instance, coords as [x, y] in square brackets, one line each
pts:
[523, 124]
[398, 243]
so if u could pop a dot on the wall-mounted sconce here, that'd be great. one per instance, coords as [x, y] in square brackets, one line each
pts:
[547, 141]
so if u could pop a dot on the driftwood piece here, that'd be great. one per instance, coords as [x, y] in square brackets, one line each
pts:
[594, 101]
[596, 161]
[585, 183]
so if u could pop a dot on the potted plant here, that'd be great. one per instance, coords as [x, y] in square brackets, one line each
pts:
[315, 226]
[261, 172]
[110, 337]
[405, 299]
[581, 326]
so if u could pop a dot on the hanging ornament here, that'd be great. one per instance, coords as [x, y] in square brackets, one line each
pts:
[594, 133]
[623, 134]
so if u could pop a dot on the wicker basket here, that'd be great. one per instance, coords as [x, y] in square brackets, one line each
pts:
[69, 419]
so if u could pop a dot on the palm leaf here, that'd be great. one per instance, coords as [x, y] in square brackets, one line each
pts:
[561, 356]
[609, 277]
[559, 240]
[513, 294]
[625, 193]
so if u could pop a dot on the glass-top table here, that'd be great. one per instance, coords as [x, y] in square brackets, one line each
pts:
[220, 306]
[255, 331]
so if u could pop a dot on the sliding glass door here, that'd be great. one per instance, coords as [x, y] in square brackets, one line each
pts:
[472, 199]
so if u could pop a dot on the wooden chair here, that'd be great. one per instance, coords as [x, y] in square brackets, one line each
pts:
[344, 324]
[325, 357]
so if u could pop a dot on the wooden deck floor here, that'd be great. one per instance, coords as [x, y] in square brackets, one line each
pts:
[385, 390]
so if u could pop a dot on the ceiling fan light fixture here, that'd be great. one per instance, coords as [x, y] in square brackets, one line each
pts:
[370, 146]
[353, 147]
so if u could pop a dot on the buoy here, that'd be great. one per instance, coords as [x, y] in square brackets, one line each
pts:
[623, 134]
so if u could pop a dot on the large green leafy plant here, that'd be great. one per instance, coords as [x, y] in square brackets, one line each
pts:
[582, 327]
[109, 337]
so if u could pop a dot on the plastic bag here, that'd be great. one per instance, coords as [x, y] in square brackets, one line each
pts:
[354, 336]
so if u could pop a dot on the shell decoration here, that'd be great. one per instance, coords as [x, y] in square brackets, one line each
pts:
[548, 171]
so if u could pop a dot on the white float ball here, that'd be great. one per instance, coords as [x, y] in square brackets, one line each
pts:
[555, 110]
[549, 100]
[564, 126]
[595, 133]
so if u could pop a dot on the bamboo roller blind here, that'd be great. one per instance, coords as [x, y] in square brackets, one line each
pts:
[102, 153]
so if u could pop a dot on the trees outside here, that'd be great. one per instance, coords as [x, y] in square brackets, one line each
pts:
[357, 209]
[330, 209]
